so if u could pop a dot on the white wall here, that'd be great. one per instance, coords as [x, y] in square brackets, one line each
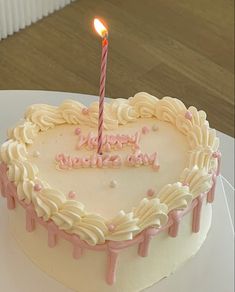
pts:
[17, 14]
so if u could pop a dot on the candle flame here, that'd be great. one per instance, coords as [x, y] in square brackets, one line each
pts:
[100, 28]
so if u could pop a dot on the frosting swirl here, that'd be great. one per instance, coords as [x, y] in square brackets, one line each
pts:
[24, 132]
[91, 228]
[144, 104]
[25, 189]
[175, 196]
[203, 137]
[47, 202]
[202, 157]
[124, 224]
[199, 180]
[22, 170]
[169, 108]
[123, 111]
[151, 213]
[70, 213]
[12, 150]
[44, 116]
[197, 118]
[72, 110]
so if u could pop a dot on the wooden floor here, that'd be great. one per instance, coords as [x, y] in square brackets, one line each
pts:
[165, 47]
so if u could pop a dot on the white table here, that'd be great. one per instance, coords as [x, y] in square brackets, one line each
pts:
[210, 271]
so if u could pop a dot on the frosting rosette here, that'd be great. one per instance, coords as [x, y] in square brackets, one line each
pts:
[169, 108]
[144, 104]
[151, 213]
[122, 227]
[44, 116]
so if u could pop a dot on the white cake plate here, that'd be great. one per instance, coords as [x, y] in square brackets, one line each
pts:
[211, 270]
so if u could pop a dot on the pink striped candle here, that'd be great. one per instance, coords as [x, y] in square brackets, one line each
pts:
[102, 31]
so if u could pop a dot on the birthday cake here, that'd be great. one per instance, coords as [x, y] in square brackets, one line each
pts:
[120, 220]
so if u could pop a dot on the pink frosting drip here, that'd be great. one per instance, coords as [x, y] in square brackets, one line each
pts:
[176, 217]
[219, 162]
[197, 213]
[77, 249]
[52, 234]
[211, 193]
[112, 259]
[30, 218]
[112, 248]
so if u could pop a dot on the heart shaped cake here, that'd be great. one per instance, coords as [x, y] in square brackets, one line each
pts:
[117, 221]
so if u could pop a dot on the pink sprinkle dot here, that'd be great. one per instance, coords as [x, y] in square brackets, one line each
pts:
[185, 184]
[37, 187]
[77, 131]
[215, 154]
[111, 227]
[85, 111]
[150, 192]
[188, 115]
[71, 195]
[145, 130]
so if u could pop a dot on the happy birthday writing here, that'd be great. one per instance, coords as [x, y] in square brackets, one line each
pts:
[110, 142]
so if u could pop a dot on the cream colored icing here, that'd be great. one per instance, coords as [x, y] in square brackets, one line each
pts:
[151, 213]
[144, 104]
[44, 116]
[175, 196]
[199, 180]
[21, 171]
[168, 108]
[70, 215]
[13, 150]
[24, 132]
[124, 227]
[123, 111]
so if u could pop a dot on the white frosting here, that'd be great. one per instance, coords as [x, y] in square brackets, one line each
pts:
[24, 132]
[175, 196]
[151, 213]
[47, 202]
[71, 215]
[199, 180]
[91, 228]
[44, 116]
[71, 111]
[198, 119]
[144, 104]
[203, 137]
[124, 227]
[168, 108]
[123, 111]
[12, 149]
[22, 170]
[25, 190]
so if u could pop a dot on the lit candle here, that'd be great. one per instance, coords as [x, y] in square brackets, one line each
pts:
[103, 32]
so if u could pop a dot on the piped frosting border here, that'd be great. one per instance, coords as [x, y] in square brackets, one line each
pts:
[70, 215]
